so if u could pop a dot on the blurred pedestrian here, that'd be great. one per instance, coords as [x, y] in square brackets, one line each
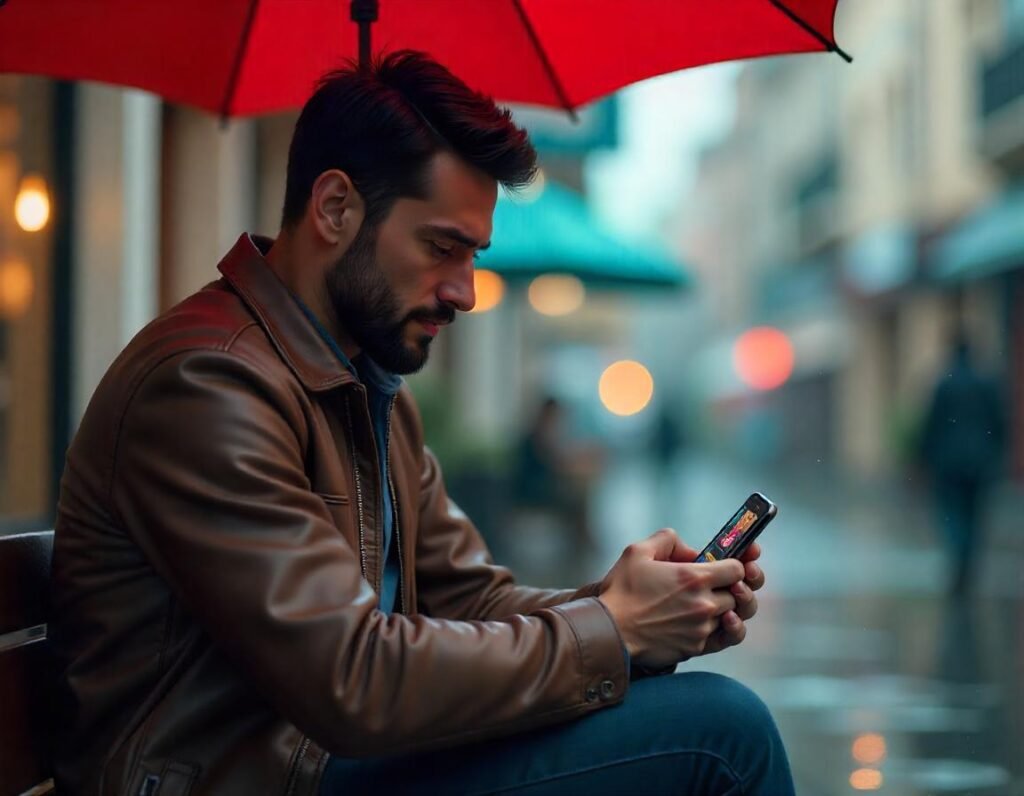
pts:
[553, 475]
[666, 444]
[962, 446]
[668, 438]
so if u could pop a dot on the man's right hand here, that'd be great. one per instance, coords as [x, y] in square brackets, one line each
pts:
[665, 606]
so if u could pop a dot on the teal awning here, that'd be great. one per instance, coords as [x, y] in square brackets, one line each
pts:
[555, 233]
[988, 241]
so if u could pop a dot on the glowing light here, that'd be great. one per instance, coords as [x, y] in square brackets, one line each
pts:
[489, 289]
[16, 287]
[556, 294]
[866, 779]
[32, 205]
[625, 388]
[869, 748]
[763, 358]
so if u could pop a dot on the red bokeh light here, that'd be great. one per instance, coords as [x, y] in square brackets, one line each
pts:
[763, 358]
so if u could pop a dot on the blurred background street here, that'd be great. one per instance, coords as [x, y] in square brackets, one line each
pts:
[878, 679]
[792, 275]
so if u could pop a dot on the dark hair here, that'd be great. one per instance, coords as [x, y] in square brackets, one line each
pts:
[382, 124]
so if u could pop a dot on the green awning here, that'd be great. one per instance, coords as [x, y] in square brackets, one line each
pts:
[989, 241]
[555, 233]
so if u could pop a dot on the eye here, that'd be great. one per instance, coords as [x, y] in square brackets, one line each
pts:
[441, 251]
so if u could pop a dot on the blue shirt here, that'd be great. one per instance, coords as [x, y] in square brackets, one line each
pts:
[381, 388]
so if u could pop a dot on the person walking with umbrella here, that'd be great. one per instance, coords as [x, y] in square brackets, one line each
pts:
[260, 584]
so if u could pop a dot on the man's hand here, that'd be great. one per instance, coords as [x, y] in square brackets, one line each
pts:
[732, 629]
[669, 609]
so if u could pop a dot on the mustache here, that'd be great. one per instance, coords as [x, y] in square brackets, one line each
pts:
[440, 315]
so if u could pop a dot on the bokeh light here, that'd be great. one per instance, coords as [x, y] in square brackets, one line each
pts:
[32, 205]
[763, 358]
[626, 388]
[556, 294]
[17, 285]
[489, 288]
[866, 779]
[869, 748]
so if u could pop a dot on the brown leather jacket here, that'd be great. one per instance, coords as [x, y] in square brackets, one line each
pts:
[217, 553]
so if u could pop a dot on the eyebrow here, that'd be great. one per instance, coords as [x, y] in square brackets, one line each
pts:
[456, 234]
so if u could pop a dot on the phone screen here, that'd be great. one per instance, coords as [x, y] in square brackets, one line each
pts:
[737, 534]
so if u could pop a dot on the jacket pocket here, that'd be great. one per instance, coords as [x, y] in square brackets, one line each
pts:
[176, 779]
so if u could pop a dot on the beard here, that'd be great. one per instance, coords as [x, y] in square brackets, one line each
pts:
[369, 311]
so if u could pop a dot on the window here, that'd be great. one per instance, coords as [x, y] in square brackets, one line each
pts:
[26, 305]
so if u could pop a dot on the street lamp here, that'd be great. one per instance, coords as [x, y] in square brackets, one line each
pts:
[32, 205]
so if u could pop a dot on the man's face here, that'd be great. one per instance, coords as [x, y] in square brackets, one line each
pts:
[399, 282]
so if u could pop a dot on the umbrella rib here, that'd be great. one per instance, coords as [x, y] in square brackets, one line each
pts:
[556, 84]
[236, 67]
[831, 46]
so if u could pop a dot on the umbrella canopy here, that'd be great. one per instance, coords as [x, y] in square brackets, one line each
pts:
[241, 57]
[555, 233]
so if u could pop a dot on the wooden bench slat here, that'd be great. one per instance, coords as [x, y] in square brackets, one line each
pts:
[24, 725]
[24, 580]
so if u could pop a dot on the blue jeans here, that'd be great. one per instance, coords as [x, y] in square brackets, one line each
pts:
[682, 734]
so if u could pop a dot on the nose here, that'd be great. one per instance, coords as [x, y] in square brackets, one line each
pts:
[457, 289]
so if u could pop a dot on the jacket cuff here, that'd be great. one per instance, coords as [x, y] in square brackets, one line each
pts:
[604, 672]
[590, 590]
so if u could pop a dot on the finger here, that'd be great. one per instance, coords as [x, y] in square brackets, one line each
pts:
[722, 574]
[752, 553]
[724, 600]
[754, 576]
[731, 632]
[746, 600]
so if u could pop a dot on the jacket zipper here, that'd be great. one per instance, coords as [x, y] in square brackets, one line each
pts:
[293, 775]
[359, 484]
[394, 512]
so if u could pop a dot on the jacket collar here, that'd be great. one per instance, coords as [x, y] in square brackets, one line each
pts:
[296, 340]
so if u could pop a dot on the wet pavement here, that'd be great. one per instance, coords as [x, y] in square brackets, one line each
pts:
[878, 680]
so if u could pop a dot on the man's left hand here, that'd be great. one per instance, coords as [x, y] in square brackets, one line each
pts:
[732, 629]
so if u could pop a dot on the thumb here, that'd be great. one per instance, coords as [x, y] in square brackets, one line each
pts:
[684, 554]
[662, 545]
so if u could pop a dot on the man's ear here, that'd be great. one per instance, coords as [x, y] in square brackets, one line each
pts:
[336, 208]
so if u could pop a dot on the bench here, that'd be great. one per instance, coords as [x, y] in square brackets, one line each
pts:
[25, 664]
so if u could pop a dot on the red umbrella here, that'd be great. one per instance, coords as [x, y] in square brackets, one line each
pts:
[240, 57]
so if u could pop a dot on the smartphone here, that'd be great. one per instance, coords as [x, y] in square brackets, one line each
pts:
[744, 527]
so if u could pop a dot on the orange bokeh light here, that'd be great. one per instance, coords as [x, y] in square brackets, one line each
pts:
[32, 204]
[763, 358]
[489, 289]
[866, 779]
[17, 285]
[869, 748]
[625, 388]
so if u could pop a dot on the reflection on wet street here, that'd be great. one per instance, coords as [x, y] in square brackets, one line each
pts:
[879, 681]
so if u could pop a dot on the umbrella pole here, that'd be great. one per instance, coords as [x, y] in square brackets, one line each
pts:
[364, 13]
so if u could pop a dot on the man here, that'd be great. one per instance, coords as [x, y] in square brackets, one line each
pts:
[260, 585]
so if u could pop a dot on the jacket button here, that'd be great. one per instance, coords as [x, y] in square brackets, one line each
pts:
[607, 689]
[591, 694]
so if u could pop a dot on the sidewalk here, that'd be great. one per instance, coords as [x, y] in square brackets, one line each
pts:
[855, 637]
